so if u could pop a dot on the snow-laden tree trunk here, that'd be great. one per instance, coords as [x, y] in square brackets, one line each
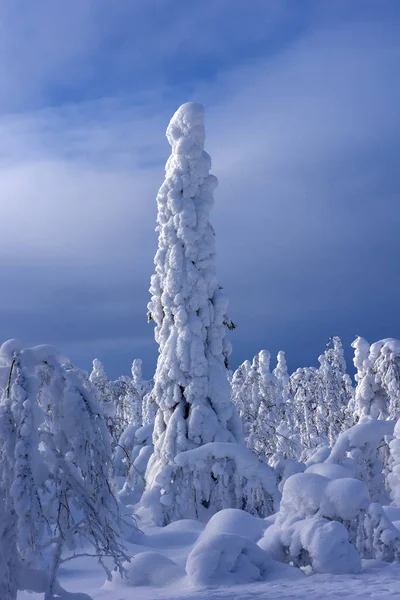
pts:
[191, 386]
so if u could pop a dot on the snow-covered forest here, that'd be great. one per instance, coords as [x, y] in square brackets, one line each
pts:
[203, 477]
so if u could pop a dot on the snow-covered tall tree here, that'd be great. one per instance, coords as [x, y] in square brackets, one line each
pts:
[189, 308]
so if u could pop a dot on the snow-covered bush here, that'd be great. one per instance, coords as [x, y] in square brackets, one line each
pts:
[147, 569]
[357, 450]
[237, 522]
[218, 475]
[226, 559]
[310, 528]
[227, 553]
[56, 484]
[326, 519]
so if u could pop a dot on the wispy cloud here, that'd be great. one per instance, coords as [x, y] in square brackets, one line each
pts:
[302, 141]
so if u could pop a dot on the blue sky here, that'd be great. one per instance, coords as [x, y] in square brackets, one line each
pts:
[302, 126]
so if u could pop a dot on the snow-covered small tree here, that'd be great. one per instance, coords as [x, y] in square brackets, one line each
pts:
[378, 378]
[335, 391]
[121, 402]
[241, 391]
[357, 450]
[281, 371]
[262, 438]
[305, 387]
[150, 408]
[189, 308]
[56, 485]
[287, 439]
[142, 387]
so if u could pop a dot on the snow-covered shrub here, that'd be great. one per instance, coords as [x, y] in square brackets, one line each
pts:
[377, 537]
[189, 308]
[226, 558]
[226, 552]
[312, 526]
[393, 466]
[210, 478]
[122, 458]
[238, 522]
[56, 485]
[147, 568]
[315, 543]
[285, 468]
[135, 458]
[357, 450]
[326, 519]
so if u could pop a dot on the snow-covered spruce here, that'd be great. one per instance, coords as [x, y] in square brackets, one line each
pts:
[306, 391]
[189, 308]
[378, 378]
[241, 392]
[121, 399]
[336, 391]
[55, 487]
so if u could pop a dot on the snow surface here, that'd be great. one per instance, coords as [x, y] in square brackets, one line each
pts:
[165, 550]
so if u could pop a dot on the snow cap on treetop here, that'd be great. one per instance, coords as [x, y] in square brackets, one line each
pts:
[187, 122]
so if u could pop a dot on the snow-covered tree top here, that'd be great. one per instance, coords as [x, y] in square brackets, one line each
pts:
[387, 346]
[98, 369]
[186, 128]
[281, 371]
[361, 352]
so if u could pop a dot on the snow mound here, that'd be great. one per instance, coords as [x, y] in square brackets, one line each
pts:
[226, 558]
[183, 533]
[331, 471]
[148, 568]
[237, 522]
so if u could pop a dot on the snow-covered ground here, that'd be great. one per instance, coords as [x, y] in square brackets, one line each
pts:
[160, 574]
